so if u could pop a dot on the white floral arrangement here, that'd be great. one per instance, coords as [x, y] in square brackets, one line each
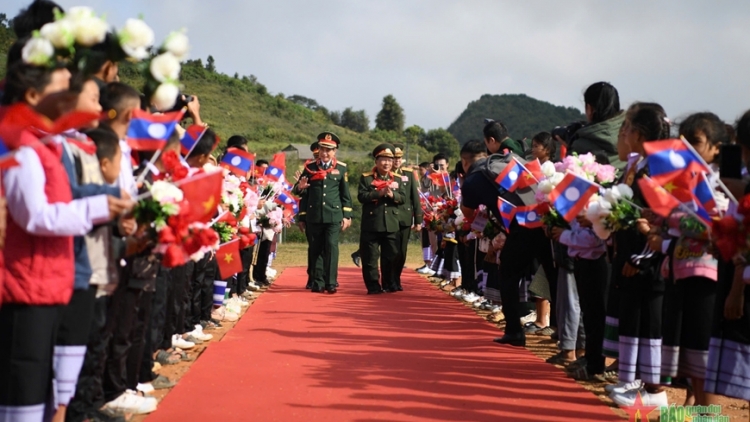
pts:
[611, 211]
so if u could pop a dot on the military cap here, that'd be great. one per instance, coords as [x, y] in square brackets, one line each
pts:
[328, 140]
[383, 150]
[398, 151]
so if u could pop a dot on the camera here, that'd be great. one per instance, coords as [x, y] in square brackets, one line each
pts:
[567, 133]
[182, 101]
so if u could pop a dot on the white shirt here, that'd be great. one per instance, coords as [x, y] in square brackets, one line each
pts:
[29, 207]
[126, 180]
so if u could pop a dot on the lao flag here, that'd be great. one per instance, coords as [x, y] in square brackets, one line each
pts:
[238, 161]
[668, 159]
[658, 199]
[192, 135]
[704, 194]
[571, 196]
[528, 217]
[286, 200]
[277, 166]
[508, 178]
[507, 211]
[150, 132]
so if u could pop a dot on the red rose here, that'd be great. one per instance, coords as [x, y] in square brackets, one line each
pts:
[173, 257]
[252, 238]
[244, 230]
[180, 173]
[166, 235]
[543, 208]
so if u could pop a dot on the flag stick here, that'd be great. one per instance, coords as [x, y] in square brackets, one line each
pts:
[710, 170]
[217, 218]
[151, 162]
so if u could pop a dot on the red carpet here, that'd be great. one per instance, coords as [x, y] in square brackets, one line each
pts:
[417, 355]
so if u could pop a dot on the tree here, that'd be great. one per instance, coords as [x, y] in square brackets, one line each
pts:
[391, 116]
[304, 101]
[335, 117]
[441, 141]
[211, 64]
[355, 120]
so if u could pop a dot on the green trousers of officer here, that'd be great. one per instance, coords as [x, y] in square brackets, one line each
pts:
[374, 245]
[402, 240]
[323, 254]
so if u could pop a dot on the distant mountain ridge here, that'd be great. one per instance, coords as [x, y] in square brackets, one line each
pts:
[524, 116]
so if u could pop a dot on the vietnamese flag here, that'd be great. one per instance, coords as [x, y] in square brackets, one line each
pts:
[203, 193]
[658, 199]
[228, 258]
[438, 178]
[531, 174]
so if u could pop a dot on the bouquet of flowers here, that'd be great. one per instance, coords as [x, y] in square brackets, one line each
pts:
[586, 167]
[731, 233]
[430, 206]
[446, 217]
[612, 211]
[273, 220]
[177, 238]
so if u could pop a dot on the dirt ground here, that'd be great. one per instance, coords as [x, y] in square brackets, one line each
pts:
[293, 254]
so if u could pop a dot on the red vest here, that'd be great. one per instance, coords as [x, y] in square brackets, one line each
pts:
[40, 270]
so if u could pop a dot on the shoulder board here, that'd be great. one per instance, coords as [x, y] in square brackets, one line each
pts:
[406, 169]
[341, 163]
[369, 173]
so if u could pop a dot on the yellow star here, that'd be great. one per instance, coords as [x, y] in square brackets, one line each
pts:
[669, 187]
[228, 258]
[527, 175]
[210, 204]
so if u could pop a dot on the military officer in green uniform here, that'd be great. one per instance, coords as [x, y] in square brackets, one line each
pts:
[409, 212]
[380, 193]
[299, 189]
[325, 210]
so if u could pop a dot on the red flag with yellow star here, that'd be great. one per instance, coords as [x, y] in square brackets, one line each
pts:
[203, 193]
[228, 258]
[659, 200]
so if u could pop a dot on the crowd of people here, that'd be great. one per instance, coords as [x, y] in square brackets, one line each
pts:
[125, 240]
[621, 238]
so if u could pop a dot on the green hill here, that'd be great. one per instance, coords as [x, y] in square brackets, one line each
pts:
[524, 116]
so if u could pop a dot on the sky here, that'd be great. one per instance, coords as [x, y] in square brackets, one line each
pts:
[436, 56]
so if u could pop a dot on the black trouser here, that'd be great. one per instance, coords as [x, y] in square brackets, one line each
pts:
[592, 280]
[121, 321]
[202, 290]
[259, 270]
[28, 336]
[243, 278]
[155, 332]
[139, 339]
[402, 239]
[89, 390]
[521, 248]
[374, 245]
[467, 256]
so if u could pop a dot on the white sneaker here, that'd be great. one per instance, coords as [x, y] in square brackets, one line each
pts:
[130, 402]
[458, 293]
[145, 388]
[423, 270]
[233, 306]
[480, 302]
[497, 309]
[471, 297]
[271, 272]
[243, 302]
[622, 386]
[529, 318]
[427, 271]
[199, 334]
[627, 398]
[178, 341]
[253, 287]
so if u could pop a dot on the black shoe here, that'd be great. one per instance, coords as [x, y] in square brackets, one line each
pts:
[518, 340]
[331, 290]
[389, 290]
[308, 286]
[356, 259]
[399, 289]
[316, 289]
[375, 292]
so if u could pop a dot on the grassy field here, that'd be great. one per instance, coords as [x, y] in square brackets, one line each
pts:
[295, 255]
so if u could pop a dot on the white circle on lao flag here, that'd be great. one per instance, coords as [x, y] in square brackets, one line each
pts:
[157, 130]
[288, 200]
[531, 216]
[236, 161]
[676, 160]
[513, 175]
[572, 194]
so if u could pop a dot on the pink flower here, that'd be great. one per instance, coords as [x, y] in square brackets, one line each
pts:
[540, 196]
[560, 167]
[605, 174]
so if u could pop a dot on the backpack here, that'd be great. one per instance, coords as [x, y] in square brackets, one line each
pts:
[494, 165]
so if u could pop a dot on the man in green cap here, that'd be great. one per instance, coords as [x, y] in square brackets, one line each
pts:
[380, 193]
[410, 211]
[325, 210]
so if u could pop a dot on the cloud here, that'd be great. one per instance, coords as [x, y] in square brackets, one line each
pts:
[437, 56]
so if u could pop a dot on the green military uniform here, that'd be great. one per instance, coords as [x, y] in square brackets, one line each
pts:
[323, 206]
[380, 226]
[410, 213]
[512, 146]
[297, 191]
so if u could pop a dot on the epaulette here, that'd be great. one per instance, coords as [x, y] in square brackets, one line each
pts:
[369, 173]
[405, 169]
[341, 163]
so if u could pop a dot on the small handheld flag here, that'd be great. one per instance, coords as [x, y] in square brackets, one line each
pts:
[532, 174]
[668, 159]
[228, 258]
[657, 198]
[203, 193]
[238, 161]
[507, 211]
[508, 178]
[528, 217]
[190, 139]
[572, 195]
[150, 132]
[276, 167]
